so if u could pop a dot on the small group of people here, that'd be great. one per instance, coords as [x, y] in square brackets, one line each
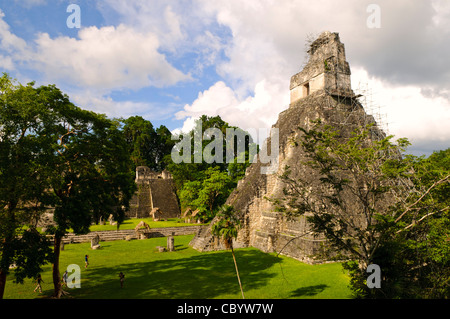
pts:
[65, 277]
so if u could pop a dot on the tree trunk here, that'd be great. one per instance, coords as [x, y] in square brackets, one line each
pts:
[2, 283]
[237, 272]
[56, 276]
[6, 255]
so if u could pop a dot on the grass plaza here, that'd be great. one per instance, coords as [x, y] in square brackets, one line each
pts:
[186, 274]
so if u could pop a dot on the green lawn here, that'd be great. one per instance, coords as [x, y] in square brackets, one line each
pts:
[186, 274]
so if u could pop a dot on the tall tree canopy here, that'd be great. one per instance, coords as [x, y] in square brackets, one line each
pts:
[206, 184]
[77, 162]
[375, 206]
[208, 192]
[22, 182]
[148, 146]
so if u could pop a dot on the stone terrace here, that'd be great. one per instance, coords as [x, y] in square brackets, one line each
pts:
[131, 233]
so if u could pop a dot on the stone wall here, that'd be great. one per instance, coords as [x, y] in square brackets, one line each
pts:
[130, 233]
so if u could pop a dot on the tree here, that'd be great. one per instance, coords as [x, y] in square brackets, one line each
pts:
[21, 182]
[183, 171]
[147, 146]
[205, 185]
[89, 170]
[207, 193]
[56, 155]
[187, 172]
[425, 228]
[164, 147]
[369, 202]
[141, 140]
[226, 228]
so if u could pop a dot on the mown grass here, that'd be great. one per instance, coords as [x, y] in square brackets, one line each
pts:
[187, 274]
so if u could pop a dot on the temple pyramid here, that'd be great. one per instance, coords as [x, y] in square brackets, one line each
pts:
[322, 90]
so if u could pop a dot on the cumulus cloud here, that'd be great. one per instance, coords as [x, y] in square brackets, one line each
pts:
[405, 111]
[98, 62]
[11, 45]
[106, 58]
[6, 63]
[255, 47]
[404, 60]
[255, 112]
[104, 104]
[176, 23]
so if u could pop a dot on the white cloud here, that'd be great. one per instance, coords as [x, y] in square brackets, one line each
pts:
[405, 110]
[108, 58]
[263, 45]
[188, 125]
[98, 62]
[217, 97]
[254, 112]
[441, 18]
[407, 57]
[96, 102]
[182, 28]
[166, 19]
[6, 63]
[11, 44]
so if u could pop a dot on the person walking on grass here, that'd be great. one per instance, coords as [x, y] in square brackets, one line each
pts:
[122, 279]
[38, 281]
[64, 279]
[86, 261]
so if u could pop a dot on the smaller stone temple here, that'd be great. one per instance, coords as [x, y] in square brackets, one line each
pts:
[156, 192]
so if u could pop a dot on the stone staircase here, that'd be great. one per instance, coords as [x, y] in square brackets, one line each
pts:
[104, 236]
[203, 240]
[122, 234]
[163, 196]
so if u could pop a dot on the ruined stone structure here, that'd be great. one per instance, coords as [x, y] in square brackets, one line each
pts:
[327, 69]
[155, 191]
[321, 90]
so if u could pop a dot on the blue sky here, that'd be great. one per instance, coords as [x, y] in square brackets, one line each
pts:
[171, 61]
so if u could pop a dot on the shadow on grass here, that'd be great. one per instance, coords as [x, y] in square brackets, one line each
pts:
[204, 276]
[308, 291]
